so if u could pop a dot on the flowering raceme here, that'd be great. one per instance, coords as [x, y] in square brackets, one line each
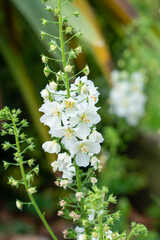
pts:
[126, 97]
[72, 125]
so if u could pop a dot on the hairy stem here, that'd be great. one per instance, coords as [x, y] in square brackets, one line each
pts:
[26, 184]
[63, 49]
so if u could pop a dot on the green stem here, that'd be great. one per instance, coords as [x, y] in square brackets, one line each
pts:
[100, 228]
[63, 49]
[26, 184]
[79, 187]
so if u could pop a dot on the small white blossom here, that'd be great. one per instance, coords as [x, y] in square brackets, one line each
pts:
[32, 190]
[51, 147]
[64, 183]
[126, 97]
[45, 94]
[94, 162]
[54, 166]
[75, 216]
[79, 195]
[91, 214]
[93, 180]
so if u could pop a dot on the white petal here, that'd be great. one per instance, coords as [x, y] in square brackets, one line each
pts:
[82, 159]
[51, 147]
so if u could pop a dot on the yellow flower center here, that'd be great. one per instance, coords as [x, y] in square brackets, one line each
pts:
[69, 104]
[85, 119]
[68, 133]
[84, 148]
[94, 98]
[55, 113]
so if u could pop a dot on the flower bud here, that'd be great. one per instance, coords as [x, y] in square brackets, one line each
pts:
[93, 180]
[54, 166]
[78, 50]
[60, 213]
[56, 11]
[53, 46]
[13, 182]
[64, 183]
[6, 164]
[68, 30]
[68, 68]
[76, 13]
[43, 34]
[47, 71]
[19, 204]
[36, 169]
[86, 70]
[45, 94]
[75, 216]
[32, 190]
[79, 195]
[44, 21]
[53, 85]
[44, 59]
[31, 162]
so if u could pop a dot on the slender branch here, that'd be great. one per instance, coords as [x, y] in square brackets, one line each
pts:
[26, 184]
[63, 49]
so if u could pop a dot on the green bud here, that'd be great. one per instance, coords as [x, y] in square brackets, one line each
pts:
[6, 164]
[36, 169]
[68, 30]
[43, 34]
[76, 13]
[48, 8]
[44, 59]
[44, 21]
[13, 182]
[32, 190]
[86, 70]
[31, 162]
[29, 177]
[56, 11]
[6, 145]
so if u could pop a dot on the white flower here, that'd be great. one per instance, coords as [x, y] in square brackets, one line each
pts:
[70, 106]
[126, 96]
[109, 235]
[54, 166]
[19, 204]
[65, 166]
[96, 137]
[83, 150]
[94, 162]
[64, 161]
[64, 183]
[51, 147]
[79, 195]
[45, 94]
[52, 114]
[93, 180]
[86, 117]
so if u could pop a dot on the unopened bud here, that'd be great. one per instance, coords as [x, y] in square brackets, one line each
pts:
[32, 190]
[68, 68]
[86, 70]
[68, 30]
[47, 71]
[44, 59]
[53, 85]
[19, 204]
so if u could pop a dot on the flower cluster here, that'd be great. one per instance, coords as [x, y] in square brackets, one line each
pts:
[126, 97]
[72, 125]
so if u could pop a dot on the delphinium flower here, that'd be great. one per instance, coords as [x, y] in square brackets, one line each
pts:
[127, 99]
